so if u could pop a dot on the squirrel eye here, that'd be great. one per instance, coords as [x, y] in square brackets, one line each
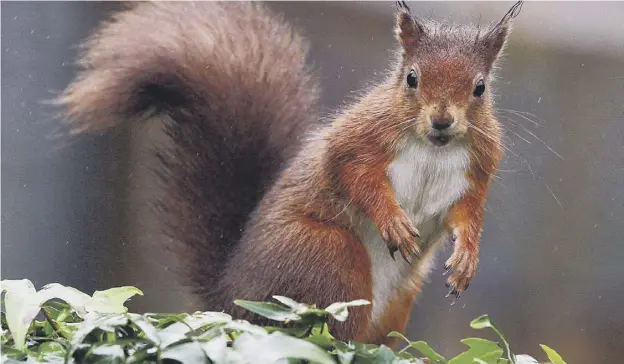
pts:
[479, 89]
[412, 79]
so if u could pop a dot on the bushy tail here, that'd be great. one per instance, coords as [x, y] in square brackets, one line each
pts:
[231, 79]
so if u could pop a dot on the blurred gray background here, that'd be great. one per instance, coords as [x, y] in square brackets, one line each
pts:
[552, 252]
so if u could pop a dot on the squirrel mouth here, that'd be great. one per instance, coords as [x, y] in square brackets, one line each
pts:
[439, 139]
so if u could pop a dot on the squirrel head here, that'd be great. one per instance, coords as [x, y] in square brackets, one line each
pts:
[444, 74]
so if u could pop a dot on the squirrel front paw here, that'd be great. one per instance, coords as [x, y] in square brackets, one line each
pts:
[400, 234]
[463, 262]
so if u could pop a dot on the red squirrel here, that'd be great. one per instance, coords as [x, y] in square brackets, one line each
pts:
[261, 199]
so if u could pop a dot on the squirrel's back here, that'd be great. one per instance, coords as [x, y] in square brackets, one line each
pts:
[231, 79]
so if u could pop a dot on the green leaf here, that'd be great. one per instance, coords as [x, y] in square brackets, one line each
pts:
[421, 346]
[244, 326]
[216, 349]
[76, 299]
[525, 359]
[320, 336]
[12, 353]
[269, 310]
[148, 329]
[93, 321]
[23, 303]
[107, 350]
[486, 350]
[339, 309]
[187, 353]
[271, 348]
[481, 322]
[427, 351]
[553, 356]
[199, 319]
[50, 351]
[179, 330]
[296, 306]
[383, 355]
[21, 307]
[344, 352]
[111, 300]
[400, 336]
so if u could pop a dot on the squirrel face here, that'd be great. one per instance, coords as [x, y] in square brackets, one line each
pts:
[443, 78]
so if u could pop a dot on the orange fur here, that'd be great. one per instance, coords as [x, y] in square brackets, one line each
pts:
[466, 216]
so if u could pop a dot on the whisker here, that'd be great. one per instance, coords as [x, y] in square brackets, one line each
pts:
[519, 136]
[553, 194]
[535, 136]
[518, 113]
[480, 131]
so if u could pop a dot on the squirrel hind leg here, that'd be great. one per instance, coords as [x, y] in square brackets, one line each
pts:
[307, 261]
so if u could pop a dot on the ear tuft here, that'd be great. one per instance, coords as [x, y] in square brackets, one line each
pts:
[495, 39]
[408, 30]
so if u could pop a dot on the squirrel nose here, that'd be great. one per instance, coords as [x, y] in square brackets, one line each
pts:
[441, 124]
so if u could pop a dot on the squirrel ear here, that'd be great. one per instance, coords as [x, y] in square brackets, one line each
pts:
[408, 30]
[495, 39]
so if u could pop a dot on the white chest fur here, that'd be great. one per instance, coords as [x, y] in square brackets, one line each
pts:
[427, 180]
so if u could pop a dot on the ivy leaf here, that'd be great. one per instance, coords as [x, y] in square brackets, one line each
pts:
[553, 356]
[12, 353]
[76, 299]
[21, 307]
[296, 306]
[93, 321]
[483, 322]
[108, 353]
[271, 348]
[269, 310]
[428, 351]
[111, 300]
[148, 329]
[525, 359]
[50, 351]
[245, 326]
[178, 331]
[190, 352]
[216, 349]
[485, 350]
[339, 309]
[421, 346]
[383, 355]
[23, 303]
[320, 336]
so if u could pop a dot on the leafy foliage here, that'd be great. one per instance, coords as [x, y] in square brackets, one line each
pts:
[77, 328]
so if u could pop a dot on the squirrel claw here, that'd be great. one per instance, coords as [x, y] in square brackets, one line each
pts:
[412, 229]
[406, 257]
[392, 250]
[402, 6]
[453, 291]
[400, 234]
[457, 295]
